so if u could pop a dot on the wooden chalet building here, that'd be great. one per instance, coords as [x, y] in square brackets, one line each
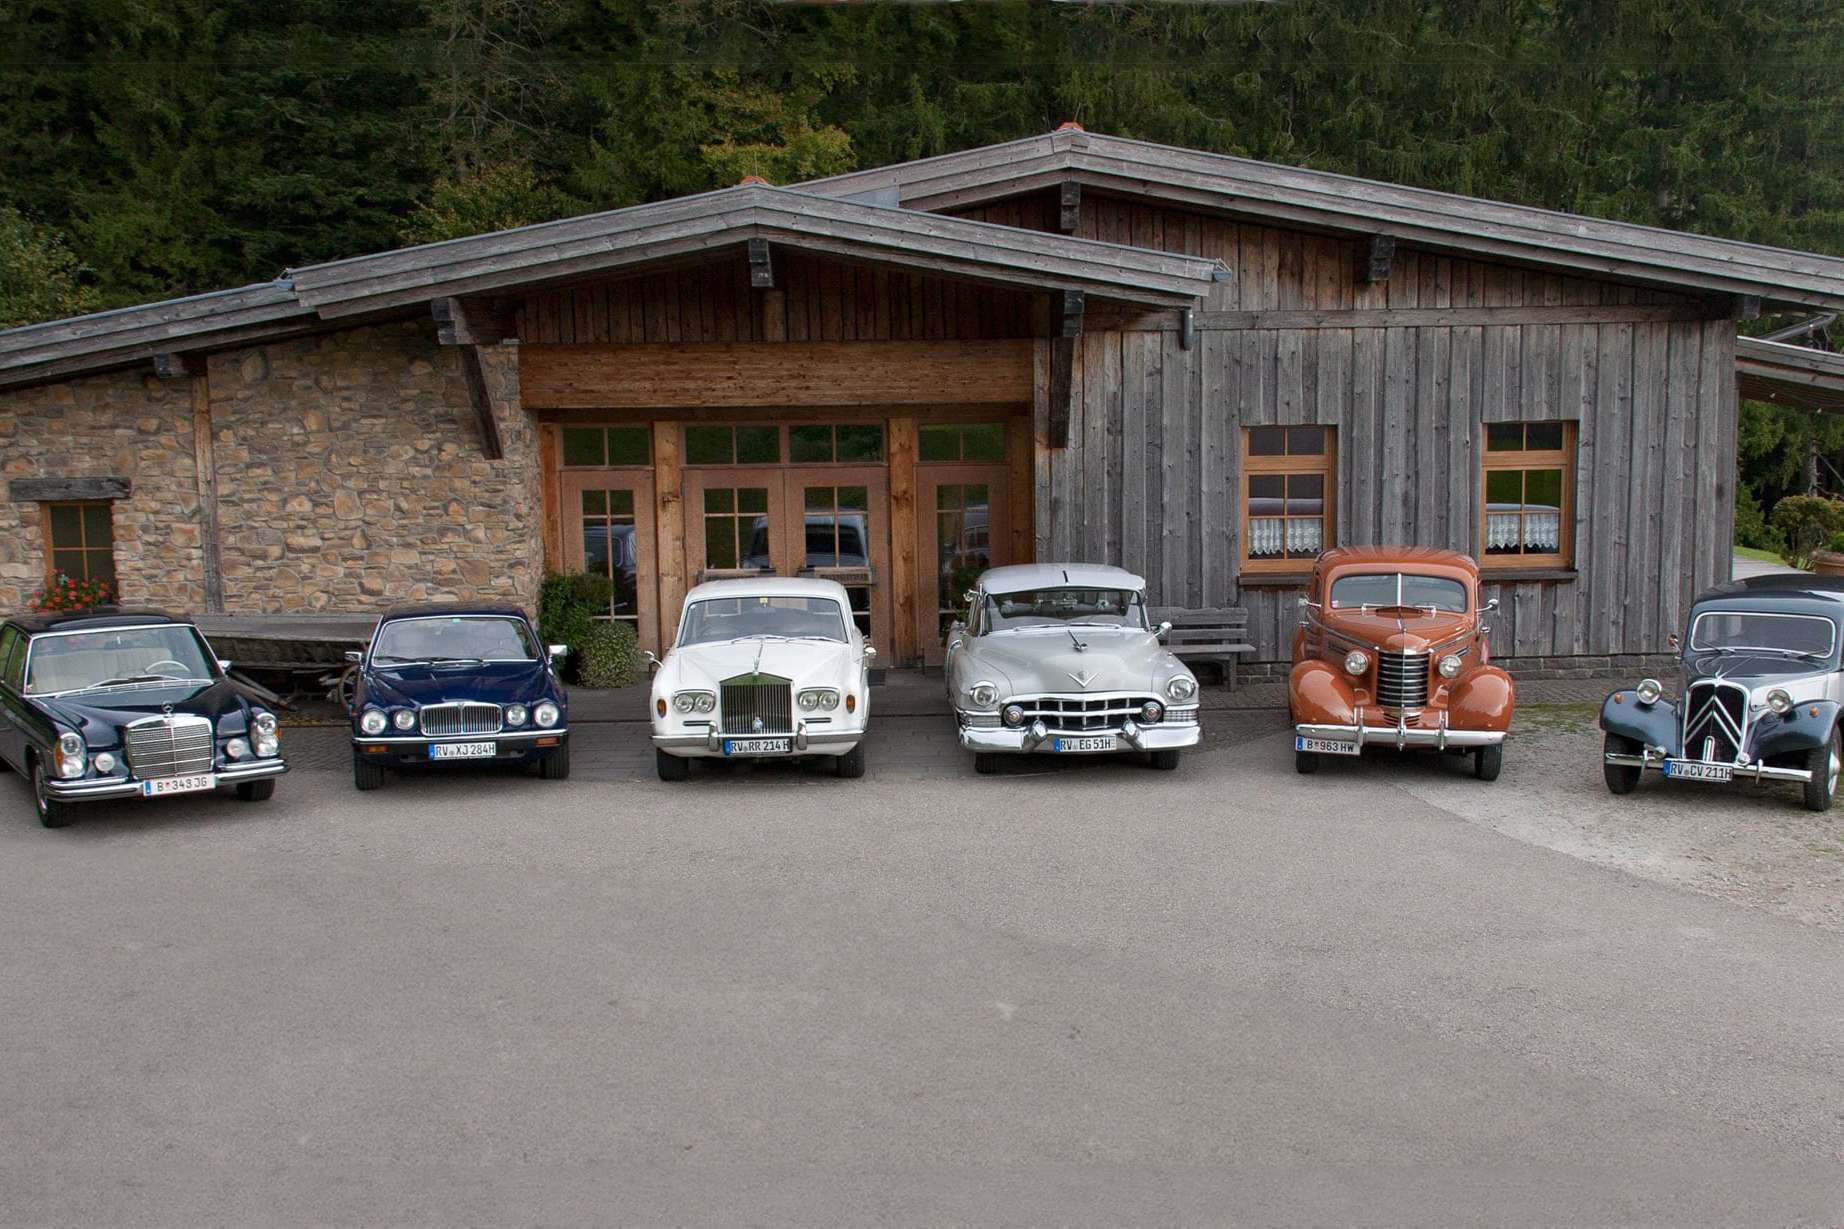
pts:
[1071, 346]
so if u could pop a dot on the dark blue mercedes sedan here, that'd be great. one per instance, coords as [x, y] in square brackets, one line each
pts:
[473, 684]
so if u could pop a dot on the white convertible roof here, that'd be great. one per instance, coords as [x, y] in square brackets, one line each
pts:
[769, 586]
[1024, 576]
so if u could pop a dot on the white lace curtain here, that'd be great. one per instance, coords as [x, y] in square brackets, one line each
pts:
[1536, 532]
[1268, 535]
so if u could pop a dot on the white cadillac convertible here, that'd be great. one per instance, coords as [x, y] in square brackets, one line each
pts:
[1060, 658]
[763, 668]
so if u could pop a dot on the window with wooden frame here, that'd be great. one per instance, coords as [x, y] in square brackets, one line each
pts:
[1528, 495]
[607, 447]
[1288, 507]
[80, 541]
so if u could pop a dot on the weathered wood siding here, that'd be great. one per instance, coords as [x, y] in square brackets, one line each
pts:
[1152, 476]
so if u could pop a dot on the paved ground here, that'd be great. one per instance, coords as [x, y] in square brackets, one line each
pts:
[1742, 568]
[1084, 994]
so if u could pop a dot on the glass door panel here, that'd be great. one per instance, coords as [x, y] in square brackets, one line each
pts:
[608, 532]
[963, 527]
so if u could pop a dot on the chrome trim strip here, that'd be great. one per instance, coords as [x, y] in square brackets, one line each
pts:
[1403, 736]
[511, 736]
[1756, 771]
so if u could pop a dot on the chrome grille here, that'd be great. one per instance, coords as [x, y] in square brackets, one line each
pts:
[1078, 714]
[1715, 722]
[1402, 680]
[439, 719]
[169, 746]
[749, 699]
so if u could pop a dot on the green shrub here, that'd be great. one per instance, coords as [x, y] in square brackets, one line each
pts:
[1808, 523]
[568, 606]
[1751, 527]
[609, 656]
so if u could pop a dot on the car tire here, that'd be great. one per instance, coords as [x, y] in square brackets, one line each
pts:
[851, 764]
[366, 775]
[556, 765]
[1306, 763]
[1488, 762]
[671, 767]
[256, 791]
[1824, 763]
[1167, 760]
[52, 812]
[1620, 778]
[985, 763]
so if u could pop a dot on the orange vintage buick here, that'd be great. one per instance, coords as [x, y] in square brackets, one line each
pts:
[1392, 653]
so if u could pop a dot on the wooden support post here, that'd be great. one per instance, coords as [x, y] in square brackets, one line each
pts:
[772, 315]
[474, 372]
[1063, 364]
[1745, 306]
[1021, 467]
[1375, 259]
[761, 268]
[205, 464]
[1069, 214]
[905, 619]
[469, 324]
[669, 525]
[1187, 329]
[550, 472]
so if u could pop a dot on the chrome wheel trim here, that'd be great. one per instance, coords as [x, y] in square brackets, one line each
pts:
[1831, 754]
[39, 798]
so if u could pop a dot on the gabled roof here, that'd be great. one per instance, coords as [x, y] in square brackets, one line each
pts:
[1789, 375]
[1294, 196]
[599, 243]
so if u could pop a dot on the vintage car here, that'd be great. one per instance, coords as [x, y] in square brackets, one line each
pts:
[1060, 658]
[457, 684]
[1760, 696]
[126, 704]
[763, 667]
[1391, 653]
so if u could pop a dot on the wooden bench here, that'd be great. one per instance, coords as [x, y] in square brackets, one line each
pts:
[1220, 636]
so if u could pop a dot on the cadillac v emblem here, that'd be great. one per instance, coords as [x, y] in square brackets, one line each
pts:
[1082, 680]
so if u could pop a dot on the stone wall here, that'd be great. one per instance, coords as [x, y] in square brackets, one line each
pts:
[351, 476]
[121, 425]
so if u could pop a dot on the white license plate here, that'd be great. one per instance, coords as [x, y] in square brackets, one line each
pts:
[758, 746]
[195, 784]
[463, 751]
[1696, 770]
[1092, 742]
[1324, 746]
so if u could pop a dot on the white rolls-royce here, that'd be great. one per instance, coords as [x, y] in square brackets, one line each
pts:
[763, 668]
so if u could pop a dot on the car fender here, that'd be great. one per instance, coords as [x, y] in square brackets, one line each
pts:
[1798, 731]
[1318, 694]
[1655, 724]
[1481, 699]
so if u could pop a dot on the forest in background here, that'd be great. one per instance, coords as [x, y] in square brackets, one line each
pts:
[152, 148]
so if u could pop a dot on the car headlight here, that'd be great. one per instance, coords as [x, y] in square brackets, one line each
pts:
[372, 721]
[236, 749]
[983, 694]
[1013, 715]
[515, 714]
[1181, 687]
[1648, 691]
[1450, 665]
[265, 723]
[105, 763]
[819, 699]
[694, 701]
[1779, 701]
[404, 719]
[1152, 712]
[267, 745]
[70, 745]
[1356, 662]
[546, 714]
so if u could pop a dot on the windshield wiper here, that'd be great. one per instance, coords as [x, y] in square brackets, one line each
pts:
[133, 678]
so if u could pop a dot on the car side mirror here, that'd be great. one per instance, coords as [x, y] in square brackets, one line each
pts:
[558, 650]
[1489, 607]
[870, 654]
[653, 663]
[1672, 642]
[354, 656]
[967, 597]
[1164, 627]
[224, 665]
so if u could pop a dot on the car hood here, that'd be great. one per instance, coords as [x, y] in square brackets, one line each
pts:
[1753, 671]
[820, 662]
[498, 682]
[1039, 661]
[100, 715]
[1400, 631]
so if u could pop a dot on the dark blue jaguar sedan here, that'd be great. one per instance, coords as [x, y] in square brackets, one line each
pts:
[441, 684]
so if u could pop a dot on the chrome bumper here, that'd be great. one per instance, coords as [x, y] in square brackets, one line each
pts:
[1402, 736]
[1164, 736]
[806, 742]
[1742, 772]
[124, 787]
[504, 736]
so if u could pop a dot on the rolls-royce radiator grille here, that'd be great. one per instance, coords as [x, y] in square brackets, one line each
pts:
[756, 704]
[170, 746]
[1402, 679]
[1073, 714]
[1715, 722]
[440, 719]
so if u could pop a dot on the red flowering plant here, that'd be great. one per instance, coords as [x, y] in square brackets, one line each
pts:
[61, 592]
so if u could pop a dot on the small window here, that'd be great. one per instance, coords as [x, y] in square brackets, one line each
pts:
[80, 542]
[605, 446]
[1287, 496]
[1528, 488]
[961, 442]
[845, 443]
[732, 445]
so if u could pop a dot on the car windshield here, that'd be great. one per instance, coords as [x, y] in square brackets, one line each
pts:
[1735, 630]
[1387, 590]
[1065, 607]
[121, 656]
[733, 618]
[445, 638]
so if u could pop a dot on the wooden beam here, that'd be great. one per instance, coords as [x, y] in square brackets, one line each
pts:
[1745, 306]
[669, 526]
[550, 466]
[52, 490]
[1404, 317]
[205, 467]
[1374, 260]
[1063, 365]
[473, 371]
[173, 366]
[904, 578]
[1069, 213]
[772, 315]
[473, 322]
[1074, 305]
[761, 266]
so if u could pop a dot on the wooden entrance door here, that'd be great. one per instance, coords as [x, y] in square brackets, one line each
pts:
[963, 528]
[827, 521]
[609, 532]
